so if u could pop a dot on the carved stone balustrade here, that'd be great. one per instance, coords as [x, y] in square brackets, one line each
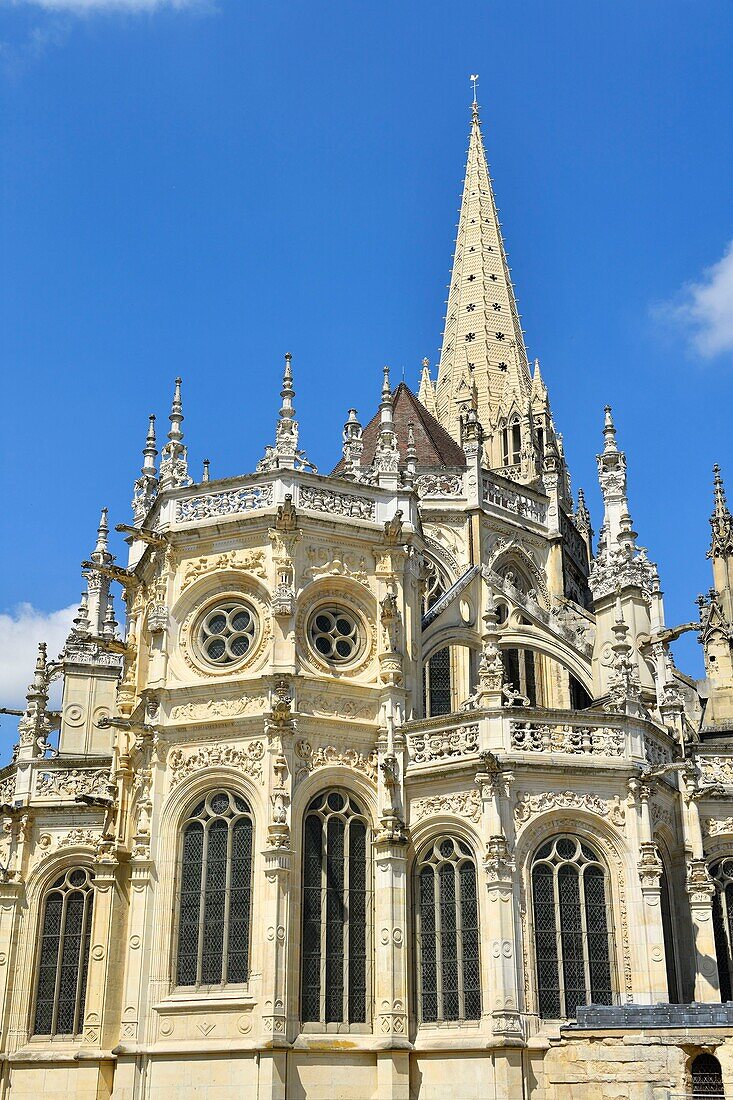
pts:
[443, 740]
[589, 740]
[522, 502]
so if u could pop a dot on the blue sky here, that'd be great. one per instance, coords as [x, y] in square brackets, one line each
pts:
[196, 188]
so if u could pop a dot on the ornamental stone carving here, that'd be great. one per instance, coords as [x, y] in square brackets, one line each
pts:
[339, 504]
[213, 505]
[328, 755]
[61, 783]
[717, 826]
[336, 706]
[464, 804]
[530, 805]
[7, 789]
[439, 485]
[443, 744]
[590, 740]
[717, 769]
[247, 759]
[249, 561]
[333, 561]
[218, 708]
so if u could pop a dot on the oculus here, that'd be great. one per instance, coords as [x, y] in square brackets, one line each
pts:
[226, 633]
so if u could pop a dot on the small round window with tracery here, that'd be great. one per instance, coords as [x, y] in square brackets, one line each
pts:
[336, 635]
[227, 632]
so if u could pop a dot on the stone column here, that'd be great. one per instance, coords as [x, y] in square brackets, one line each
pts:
[101, 1016]
[503, 991]
[652, 946]
[12, 894]
[390, 962]
[700, 890]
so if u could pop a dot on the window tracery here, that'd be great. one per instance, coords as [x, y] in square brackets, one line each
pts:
[572, 927]
[215, 893]
[63, 961]
[226, 632]
[335, 911]
[446, 933]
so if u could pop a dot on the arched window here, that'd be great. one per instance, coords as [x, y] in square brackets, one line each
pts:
[722, 875]
[707, 1077]
[215, 893]
[446, 928]
[336, 896]
[64, 954]
[572, 926]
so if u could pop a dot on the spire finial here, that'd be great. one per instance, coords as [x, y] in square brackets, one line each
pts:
[174, 459]
[206, 474]
[285, 453]
[474, 80]
[609, 432]
[101, 550]
[721, 520]
[721, 504]
[146, 487]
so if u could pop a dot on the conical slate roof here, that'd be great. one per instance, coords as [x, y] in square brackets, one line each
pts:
[434, 446]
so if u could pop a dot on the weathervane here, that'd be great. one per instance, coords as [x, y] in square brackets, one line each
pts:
[474, 80]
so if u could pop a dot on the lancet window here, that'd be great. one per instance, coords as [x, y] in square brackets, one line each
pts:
[707, 1078]
[446, 932]
[722, 875]
[215, 893]
[438, 683]
[511, 437]
[572, 928]
[336, 911]
[63, 963]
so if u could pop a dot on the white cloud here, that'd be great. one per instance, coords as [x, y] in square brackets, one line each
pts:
[20, 632]
[704, 309]
[81, 7]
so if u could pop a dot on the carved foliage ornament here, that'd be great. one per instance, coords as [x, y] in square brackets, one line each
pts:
[247, 759]
[325, 756]
[464, 804]
[218, 708]
[248, 561]
[530, 805]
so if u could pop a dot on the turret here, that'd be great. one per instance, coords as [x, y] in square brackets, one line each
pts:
[174, 456]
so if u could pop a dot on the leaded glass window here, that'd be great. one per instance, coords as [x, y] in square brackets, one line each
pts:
[215, 893]
[446, 928]
[336, 910]
[519, 672]
[722, 875]
[437, 684]
[63, 962]
[665, 898]
[572, 928]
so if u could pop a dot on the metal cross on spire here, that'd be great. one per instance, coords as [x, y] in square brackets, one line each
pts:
[474, 80]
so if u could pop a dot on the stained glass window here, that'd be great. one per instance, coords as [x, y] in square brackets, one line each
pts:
[215, 893]
[572, 928]
[335, 914]
[64, 954]
[446, 929]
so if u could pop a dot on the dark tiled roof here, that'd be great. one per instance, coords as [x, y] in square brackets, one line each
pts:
[433, 444]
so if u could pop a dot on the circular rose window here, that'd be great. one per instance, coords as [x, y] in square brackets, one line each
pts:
[226, 633]
[336, 635]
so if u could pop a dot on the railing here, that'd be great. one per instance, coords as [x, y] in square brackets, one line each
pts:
[521, 503]
[442, 740]
[586, 740]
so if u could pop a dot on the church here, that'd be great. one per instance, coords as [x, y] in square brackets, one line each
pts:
[378, 784]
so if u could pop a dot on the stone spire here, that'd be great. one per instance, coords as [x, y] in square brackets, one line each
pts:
[482, 340]
[721, 521]
[387, 454]
[34, 726]
[353, 445]
[174, 457]
[426, 393]
[285, 454]
[146, 486]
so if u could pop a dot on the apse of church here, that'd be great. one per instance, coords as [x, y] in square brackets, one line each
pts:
[380, 783]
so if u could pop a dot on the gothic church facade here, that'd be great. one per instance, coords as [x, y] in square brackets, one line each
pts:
[388, 788]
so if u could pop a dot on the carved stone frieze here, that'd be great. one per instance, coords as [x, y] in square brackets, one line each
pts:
[205, 709]
[328, 755]
[717, 770]
[717, 826]
[439, 485]
[530, 805]
[334, 561]
[336, 706]
[213, 505]
[337, 503]
[587, 740]
[246, 759]
[68, 784]
[463, 803]
[246, 561]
